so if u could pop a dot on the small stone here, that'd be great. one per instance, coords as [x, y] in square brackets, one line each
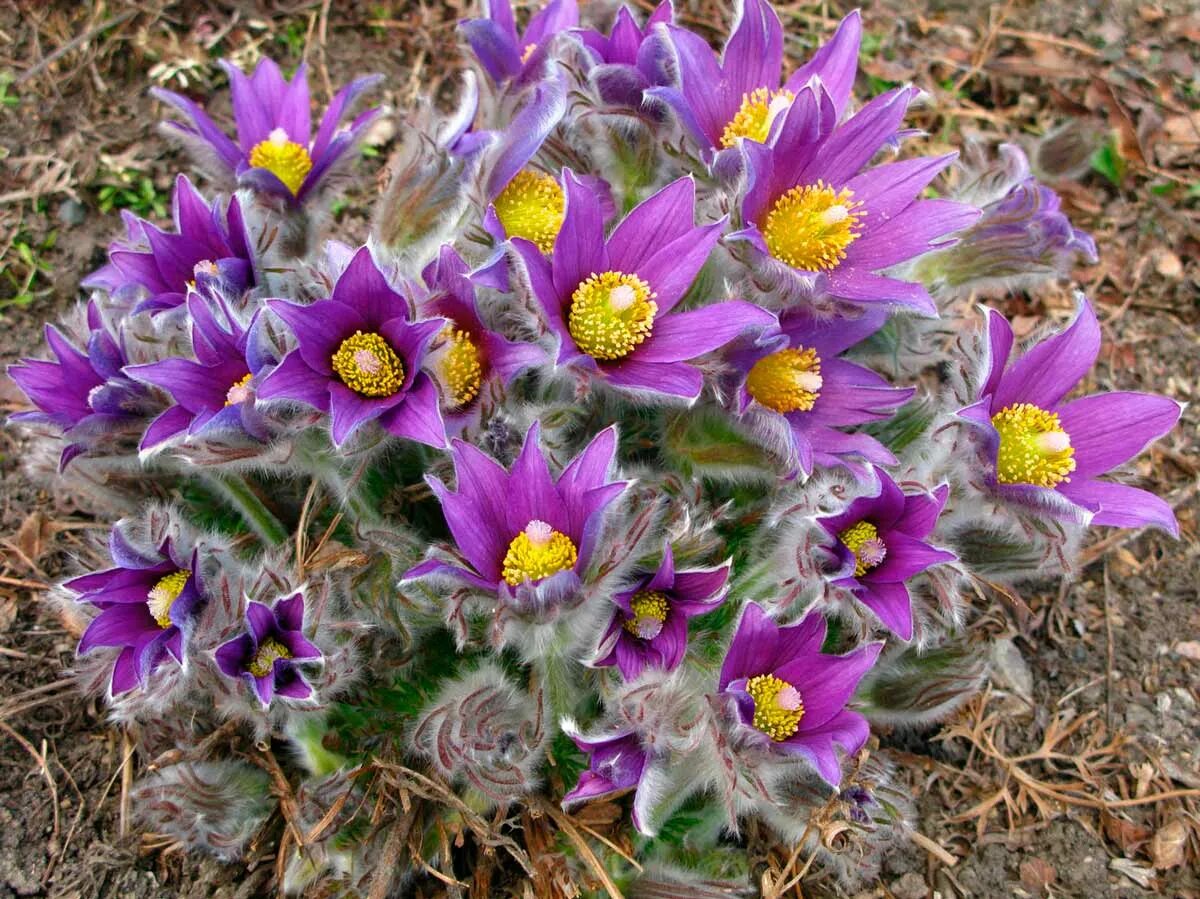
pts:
[1189, 649]
[72, 212]
[1167, 264]
[911, 886]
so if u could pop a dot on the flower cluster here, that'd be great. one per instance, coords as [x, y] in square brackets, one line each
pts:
[601, 468]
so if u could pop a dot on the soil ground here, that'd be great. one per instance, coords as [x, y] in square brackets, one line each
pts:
[1075, 775]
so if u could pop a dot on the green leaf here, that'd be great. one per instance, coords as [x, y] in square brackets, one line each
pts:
[1109, 162]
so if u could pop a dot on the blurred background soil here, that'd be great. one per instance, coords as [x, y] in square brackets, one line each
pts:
[1076, 774]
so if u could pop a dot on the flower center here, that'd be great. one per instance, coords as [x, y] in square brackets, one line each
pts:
[368, 365]
[240, 391]
[285, 159]
[461, 367]
[649, 613]
[778, 707]
[1034, 448]
[786, 381]
[163, 595]
[863, 540]
[532, 206]
[756, 115]
[809, 227]
[611, 314]
[536, 553]
[263, 662]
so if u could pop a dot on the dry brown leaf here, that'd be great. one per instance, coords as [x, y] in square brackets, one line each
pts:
[1166, 848]
[1125, 834]
[33, 535]
[1037, 874]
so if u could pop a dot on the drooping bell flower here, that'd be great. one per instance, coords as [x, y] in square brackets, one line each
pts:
[267, 655]
[208, 248]
[795, 389]
[1047, 454]
[630, 58]
[507, 54]
[879, 543]
[789, 696]
[85, 395]
[523, 534]
[214, 392]
[359, 358]
[650, 624]
[146, 606]
[467, 359]
[610, 301]
[276, 151]
[813, 217]
[721, 102]
[616, 762]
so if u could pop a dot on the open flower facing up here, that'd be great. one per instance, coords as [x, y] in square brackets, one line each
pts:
[720, 102]
[85, 395]
[266, 656]
[158, 268]
[146, 605]
[1048, 454]
[616, 762]
[879, 543]
[359, 358]
[610, 302]
[784, 689]
[793, 383]
[812, 215]
[276, 151]
[519, 56]
[216, 391]
[630, 58]
[650, 625]
[524, 534]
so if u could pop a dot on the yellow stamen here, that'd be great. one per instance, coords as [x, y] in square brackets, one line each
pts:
[163, 595]
[810, 226]
[611, 314]
[778, 707]
[368, 365]
[757, 113]
[239, 391]
[786, 381]
[263, 662]
[285, 159]
[649, 612]
[460, 367]
[1034, 448]
[536, 553]
[862, 539]
[532, 206]
[527, 52]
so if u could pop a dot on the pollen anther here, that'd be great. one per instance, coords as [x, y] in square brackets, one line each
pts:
[811, 225]
[611, 313]
[650, 610]
[755, 116]
[163, 595]
[787, 381]
[263, 662]
[863, 540]
[1034, 448]
[536, 553]
[285, 159]
[368, 365]
[461, 367]
[778, 706]
[532, 206]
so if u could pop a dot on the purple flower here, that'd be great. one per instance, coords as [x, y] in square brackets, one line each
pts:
[794, 383]
[209, 248]
[616, 762]
[359, 358]
[793, 696]
[630, 58]
[146, 604]
[814, 218]
[524, 534]
[276, 151]
[610, 301]
[213, 393]
[739, 96]
[1047, 454]
[879, 544]
[650, 625]
[86, 395]
[266, 655]
[509, 55]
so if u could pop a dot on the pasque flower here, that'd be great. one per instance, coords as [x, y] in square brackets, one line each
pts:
[789, 695]
[631, 58]
[719, 102]
[650, 625]
[879, 543]
[215, 392]
[276, 151]
[146, 606]
[507, 54]
[524, 534]
[359, 358]
[610, 301]
[813, 215]
[795, 377]
[266, 656]
[1047, 454]
[208, 248]
[616, 761]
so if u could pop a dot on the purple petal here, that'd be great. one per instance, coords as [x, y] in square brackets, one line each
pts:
[892, 605]
[999, 345]
[1121, 506]
[670, 378]
[1049, 371]
[261, 621]
[1109, 429]
[835, 63]
[419, 417]
[685, 335]
[827, 682]
[232, 657]
[579, 248]
[753, 56]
